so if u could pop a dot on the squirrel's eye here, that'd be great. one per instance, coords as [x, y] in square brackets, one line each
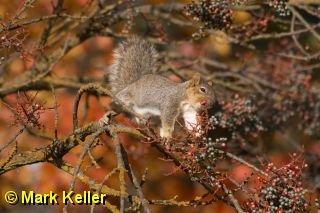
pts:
[202, 89]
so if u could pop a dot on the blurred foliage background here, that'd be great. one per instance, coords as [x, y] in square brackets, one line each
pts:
[90, 60]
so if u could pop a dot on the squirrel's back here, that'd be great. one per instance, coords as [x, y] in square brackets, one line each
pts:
[133, 59]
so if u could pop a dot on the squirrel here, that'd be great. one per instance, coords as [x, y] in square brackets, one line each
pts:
[134, 81]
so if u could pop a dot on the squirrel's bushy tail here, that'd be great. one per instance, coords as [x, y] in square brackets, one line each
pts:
[133, 58]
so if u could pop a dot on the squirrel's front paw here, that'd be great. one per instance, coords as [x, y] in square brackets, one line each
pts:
[165, 133]
[165, 142]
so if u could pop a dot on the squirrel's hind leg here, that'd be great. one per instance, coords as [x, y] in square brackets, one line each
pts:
[168, 120]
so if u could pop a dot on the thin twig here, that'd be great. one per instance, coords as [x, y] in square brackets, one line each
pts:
[232, 198]
[56, 113]
[122, 170]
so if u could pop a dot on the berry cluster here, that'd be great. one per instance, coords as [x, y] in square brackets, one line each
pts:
[27, 111]
[207, 159]
[299, 101]
[210, 152]
[199, 155]
[290, 98]
[13, 40]
[130, 19]
[280, 6]
[282, 190]
[212, 14]
[239, 116]
[251, 29]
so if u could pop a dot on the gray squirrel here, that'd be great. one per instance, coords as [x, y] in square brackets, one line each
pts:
[134, 82]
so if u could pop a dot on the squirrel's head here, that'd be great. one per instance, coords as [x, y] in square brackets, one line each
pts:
[200, 93]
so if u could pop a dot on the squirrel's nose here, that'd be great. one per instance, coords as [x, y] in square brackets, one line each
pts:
[203, 102]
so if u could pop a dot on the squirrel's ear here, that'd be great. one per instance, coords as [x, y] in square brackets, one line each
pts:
[196, 79]
[210, 83]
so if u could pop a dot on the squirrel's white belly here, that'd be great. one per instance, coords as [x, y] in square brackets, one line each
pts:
[189, 116]
[146, 110]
